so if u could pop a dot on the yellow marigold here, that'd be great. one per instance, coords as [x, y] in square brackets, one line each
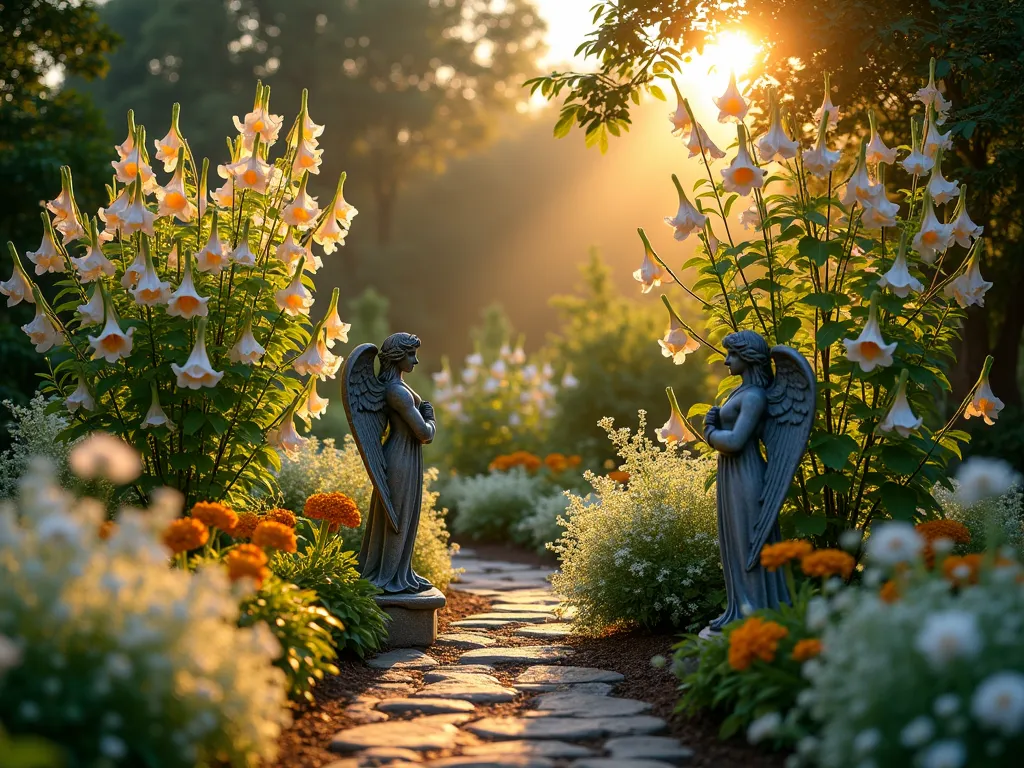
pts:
[215, 515]
[247, 560]
[890, 592]
[828, 562]
[754, 639]
[556, 462]
[774, 556]
[106, 530]
[283, 516]
[243, 529]
[185, 534]
[619, 476]
[806, 649]
[336, 508]
[276, 536]
[962, 570]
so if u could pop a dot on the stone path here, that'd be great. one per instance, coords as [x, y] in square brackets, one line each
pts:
[472, 710]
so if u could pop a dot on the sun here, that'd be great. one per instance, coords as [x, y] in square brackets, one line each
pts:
[731, 51]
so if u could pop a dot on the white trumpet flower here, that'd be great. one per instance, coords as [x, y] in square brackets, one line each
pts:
[173, 200]
[965, 231]
[19, 287]
[860, 188]
[677, 343]
[731, 104]
[334, 228]
[680, 119]
[775, 144]
[48, 258]
[91, 313]
[970, 288]
[984, 403]
[131, 276]
[155, 416]
[674, 430]
[931, 97]
[172, 256]
[869, 349]
[111, 216]
[334, 329]
[250, 172]
[289, 251]
[303, 210]
[185, 302]
[877, 151]
[742, 175]
[827, 107]
[112, 343]
[317, 360]
[151, 291]
[259, 122]
[296, 298]
[197, 371]
[687, 218]
[651, 274]
[900, 417]
[94, 264]
[898, 279]
[169, 147]
[879, 211]
[307, 158]
[133, 166]
[41, 331]
[821, 160]
[934, 139]
[284, 437]
[934, 237]
[136, 217]
[699, 140]
[243, 255]
[213, 256]
[80, 398]
[63, 205]
[941, 190]
[313, 406]
[246, 350]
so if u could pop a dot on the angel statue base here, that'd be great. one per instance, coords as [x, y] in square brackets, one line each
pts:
[776, 409]
[390, 424]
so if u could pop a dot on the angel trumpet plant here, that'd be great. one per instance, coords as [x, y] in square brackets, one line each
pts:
[180, 329]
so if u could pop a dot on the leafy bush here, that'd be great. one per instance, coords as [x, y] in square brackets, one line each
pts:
[491, 506]
[320, 467]
[1004, 513]
[35, 431]
[644, 554]
[539, 526]
[114, 656]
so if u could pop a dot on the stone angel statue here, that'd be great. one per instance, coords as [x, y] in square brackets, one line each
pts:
[390, 424]
[776, 409]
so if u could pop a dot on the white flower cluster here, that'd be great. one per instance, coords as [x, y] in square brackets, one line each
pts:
[33, 432]
[645, 553]
[100, 641]
[1002, 514]
[933, 679]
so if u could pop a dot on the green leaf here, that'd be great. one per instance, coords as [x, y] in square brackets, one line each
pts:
[808, 525]
[900, 459]
[899, 501]
[833, 450]
[831, 332]
[822, 301]
[218, 422]
[813, 249]
[786, 329]
[194, 421]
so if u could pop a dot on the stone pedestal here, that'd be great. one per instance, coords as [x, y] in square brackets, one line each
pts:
[413, 617]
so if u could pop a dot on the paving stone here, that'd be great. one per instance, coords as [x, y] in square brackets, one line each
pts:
[388, 756]
[491, 566]
[648, 748]
[468, 674]
[527, 617]
[483, 692]
[635, 725]
[545, 675]
[529, 597]
[553, 748]
[596, 689]
[494, 585]
[492, 761]
[548, 631]
[481, 623]
[516, 655]
[561, 728]
[462, 669]
[465, 640]
[388, 690]
[424, 706]
[548, 608]
[576, 704]
[421, 735]
[402, 659]
[616, 762]
[363, 710]
[396, 676]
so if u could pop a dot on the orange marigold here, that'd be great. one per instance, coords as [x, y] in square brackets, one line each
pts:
[185, 534]
[556, 462]
[336, 508]
[509, 461]
[890, 592]
[215, 515]
[944, 529]
[283, 516]
[774, 556]
[754, 639]
[106, 530]
[806, 649]
[962, 570]
[828, 562]
[243, 529]
[619, 476]
[247, 560]
[275, 536]
[574, 461]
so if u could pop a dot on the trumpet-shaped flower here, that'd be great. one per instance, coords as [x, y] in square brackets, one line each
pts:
[827, 107]
[334, 329]
[307, 158]
[941, 190]
[917, 163]
[296, 298]
[751, 218]
[48, 258]
[169, 147]
[71, 229]
[136, 217]
[134, 166]
[151, 291]
[80, 398]
[731, 104]
[197, 371]
[172, 256]
[112, 343]
[687, 218]
[821, 160]
[317, 360]
[900, 417]
[313, 406]
[91, 313]
[243, 255]
[934, 139]
[185, 301]
[289, 251]
[111, 216]
[674, 430]
[860, 188]
[250, 172]
[334, 228]
[155, 416]
[879, 211]
[303, 210]
[677, 343]
[680, 119]
[877, 151]
[699, 143]
[224, 195]
[969, 288]
[898, 279]
[259, 122]
[775, 144]
[651, 273]
[284, 437]
[19, 287]
[869, 349]
[246, 350]
[173, 200]
[213, 256]
[131, 276]
[934, 237]
[94, 264]
[63, 205]
[965, 231]
[932, 98]
[41, 331]
[128, 144]
[984, 403]
[742, 175]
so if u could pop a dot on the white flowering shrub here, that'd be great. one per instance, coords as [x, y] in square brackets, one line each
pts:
[539, 526]
[492, 506]
[35, 431]
[181, 319]
[321, 467]
[925, 673]
[114, 656]
[1002, 516]
[646, 553]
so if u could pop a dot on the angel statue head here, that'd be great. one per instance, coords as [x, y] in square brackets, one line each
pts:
[748, 353]
[398, 355]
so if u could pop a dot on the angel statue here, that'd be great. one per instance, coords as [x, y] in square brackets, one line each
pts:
[774, 409]
[390, 424]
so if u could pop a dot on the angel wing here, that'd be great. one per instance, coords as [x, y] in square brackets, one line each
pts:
[363, 396]
[786, 431]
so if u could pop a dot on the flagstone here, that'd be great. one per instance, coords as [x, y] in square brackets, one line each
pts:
[540, 748]
[465, 640]
[546, 675]
[482, 692]
[545, 631]
[529, 617]
[615, 762]
[425, 706]
[482, 623]
[576, 704]
[423, 735]
[492, 761]
[516, 655]
[648, 748]
[402, 659]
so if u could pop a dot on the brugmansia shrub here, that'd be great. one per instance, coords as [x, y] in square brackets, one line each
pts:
[870, 289]
[117, 658]
[320, 467]
[181, 319]
[645, 553]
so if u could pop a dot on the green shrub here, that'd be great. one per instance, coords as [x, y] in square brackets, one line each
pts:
[1004, 513]
[491, 506]
[646, 554]
[34, 430]
[539, 526]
